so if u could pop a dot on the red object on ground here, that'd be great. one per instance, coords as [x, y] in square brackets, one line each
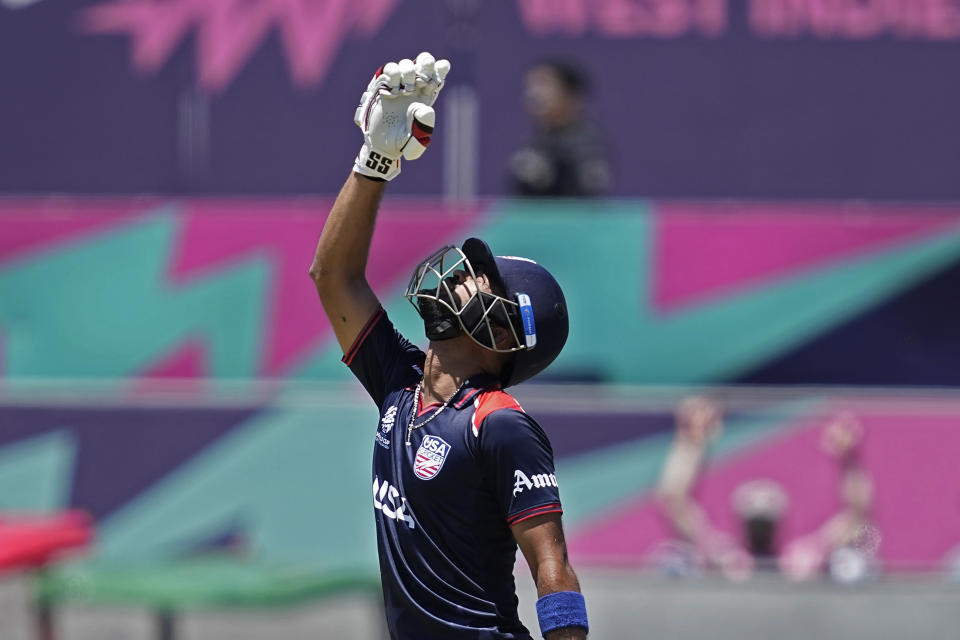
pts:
[31, 541]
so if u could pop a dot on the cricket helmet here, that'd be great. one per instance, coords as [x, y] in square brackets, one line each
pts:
[526, 300]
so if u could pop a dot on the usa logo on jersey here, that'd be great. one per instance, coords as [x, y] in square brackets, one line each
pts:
[430, 457]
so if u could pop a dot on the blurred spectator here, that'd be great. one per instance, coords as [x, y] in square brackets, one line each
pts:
[566, 156]
[843, 545]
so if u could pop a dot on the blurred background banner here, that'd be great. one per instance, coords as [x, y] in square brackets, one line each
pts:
[697, 98]
[279, 476]
[766, 209]
[205, 403]
[660, 292]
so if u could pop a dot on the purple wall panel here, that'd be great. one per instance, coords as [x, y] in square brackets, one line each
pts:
[696, 97]
[72, 117]
[121, 451]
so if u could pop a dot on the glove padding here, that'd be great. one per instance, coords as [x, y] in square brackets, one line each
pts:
[396, 116]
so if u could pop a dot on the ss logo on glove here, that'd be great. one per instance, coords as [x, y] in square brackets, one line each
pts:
[378, 163]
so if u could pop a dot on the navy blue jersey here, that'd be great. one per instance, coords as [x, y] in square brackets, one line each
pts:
[444, 504]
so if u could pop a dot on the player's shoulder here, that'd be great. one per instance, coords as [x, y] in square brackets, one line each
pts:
[495, 406]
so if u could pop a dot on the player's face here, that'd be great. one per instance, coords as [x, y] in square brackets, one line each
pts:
[549, 100]
[467, 287]
[544, 93]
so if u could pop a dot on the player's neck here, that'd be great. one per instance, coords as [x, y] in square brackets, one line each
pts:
[449, 363]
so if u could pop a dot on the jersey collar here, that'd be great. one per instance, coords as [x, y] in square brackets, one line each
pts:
[474, 385]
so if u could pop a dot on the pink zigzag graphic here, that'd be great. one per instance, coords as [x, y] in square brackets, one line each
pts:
[189, 360]
[40, 223]
[229, 32]
[906, 449]
[285, 233]
[704, 250]
[216, 232]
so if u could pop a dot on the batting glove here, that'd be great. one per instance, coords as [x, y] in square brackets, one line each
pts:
[396, 116]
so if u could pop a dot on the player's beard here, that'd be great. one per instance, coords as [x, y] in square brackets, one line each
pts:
[439, 322]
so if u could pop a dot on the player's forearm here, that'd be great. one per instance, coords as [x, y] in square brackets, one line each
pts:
[680, 469]
[856, 489]
[344, 245]
[679, 472]
[555, 575]
[856, 493]
[685, 517]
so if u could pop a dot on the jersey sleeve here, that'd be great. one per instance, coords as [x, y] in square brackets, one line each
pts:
[382, 359]
[518, 465]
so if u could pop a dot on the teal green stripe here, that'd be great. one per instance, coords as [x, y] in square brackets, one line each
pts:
[296, 481]
[605, 269]
[721, 340]
[104, 307]
[35, 474]
[615, 331]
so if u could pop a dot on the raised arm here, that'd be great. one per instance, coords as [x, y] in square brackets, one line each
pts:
[698, 420]
[841, 439]
[804, 557]
[541, 540]
[340, 263]
[396, 118]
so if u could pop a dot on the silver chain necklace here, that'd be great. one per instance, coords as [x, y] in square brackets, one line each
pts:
[416, 405]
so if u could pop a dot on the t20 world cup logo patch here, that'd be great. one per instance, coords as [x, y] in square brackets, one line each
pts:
[386, 422]
[430, 457]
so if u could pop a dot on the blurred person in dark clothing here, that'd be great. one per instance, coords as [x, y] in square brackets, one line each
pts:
[566, 156]
[842, 546]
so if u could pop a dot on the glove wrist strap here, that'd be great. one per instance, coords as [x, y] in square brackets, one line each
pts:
[375, 164]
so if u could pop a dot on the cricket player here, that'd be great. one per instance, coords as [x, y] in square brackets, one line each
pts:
[462, 476]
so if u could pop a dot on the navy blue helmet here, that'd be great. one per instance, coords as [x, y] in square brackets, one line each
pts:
[525, 299]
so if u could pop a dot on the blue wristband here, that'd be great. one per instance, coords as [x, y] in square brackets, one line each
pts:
[561, 609]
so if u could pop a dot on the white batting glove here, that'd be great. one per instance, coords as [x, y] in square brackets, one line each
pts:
[396, 116]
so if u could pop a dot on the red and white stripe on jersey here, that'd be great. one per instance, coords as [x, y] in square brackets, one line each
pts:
[487, 402]
[526, 514]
